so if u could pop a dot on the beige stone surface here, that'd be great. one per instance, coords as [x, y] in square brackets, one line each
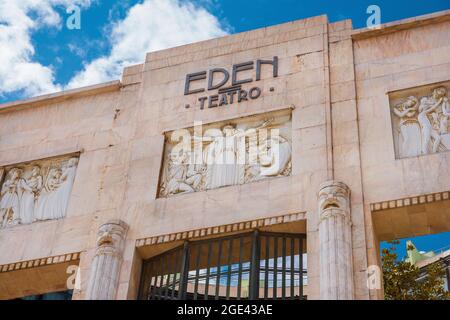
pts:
[412, 54]
[412, 221]
[337, 86]
[37, 280]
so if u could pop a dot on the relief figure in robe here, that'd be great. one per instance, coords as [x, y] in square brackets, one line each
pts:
[47, 204]
[444, 117]
[410, 134]
[427, 106]
[226, 155]
[9, 195]
[177, 175]
[62, 195]
[194, 176]
[29, 189]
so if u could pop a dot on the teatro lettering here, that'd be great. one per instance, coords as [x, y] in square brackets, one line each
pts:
[217, 78]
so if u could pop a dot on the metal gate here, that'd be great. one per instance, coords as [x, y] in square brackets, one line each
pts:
[256, 265]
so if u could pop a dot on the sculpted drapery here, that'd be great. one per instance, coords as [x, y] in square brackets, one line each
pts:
[9, 203]
[226, 155]
[35, 192]
[29, 188]
[421, 124]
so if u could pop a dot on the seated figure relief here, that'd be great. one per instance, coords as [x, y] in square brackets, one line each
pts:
[36, 192]
[421, 124]
[230, 154]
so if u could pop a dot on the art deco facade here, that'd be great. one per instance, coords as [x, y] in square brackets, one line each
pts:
[340, 139]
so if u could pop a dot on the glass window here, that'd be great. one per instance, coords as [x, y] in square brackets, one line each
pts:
[256, 265]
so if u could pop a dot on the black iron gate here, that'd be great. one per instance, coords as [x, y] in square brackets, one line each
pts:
[256, 265]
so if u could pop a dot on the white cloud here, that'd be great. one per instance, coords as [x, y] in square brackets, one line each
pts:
[76, 50]
[149, 26]
[18, 19]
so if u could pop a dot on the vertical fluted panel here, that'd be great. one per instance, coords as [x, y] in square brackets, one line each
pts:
[336, 262]
[105, 268]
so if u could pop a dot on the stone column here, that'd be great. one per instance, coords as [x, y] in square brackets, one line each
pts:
[105, 267]
[335, 236]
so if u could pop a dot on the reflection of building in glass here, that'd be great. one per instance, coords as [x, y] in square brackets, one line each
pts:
[424, 259]
[256, 265]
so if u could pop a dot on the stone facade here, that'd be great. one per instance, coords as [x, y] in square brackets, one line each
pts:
[36, 191]
[421, 120]
[104, 273]
[247, 140]
[350, 106]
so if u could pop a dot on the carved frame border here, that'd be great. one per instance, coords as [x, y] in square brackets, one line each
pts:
[217, 230]
[3, 168]
[28, 162]
[392, 91]
[410, 201]
[15, 266]
[285, 108]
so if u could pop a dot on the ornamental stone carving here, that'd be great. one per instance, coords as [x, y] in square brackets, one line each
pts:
[36, 191]
[105, 268]
[421, 121]
[335, 236]
[226, 154]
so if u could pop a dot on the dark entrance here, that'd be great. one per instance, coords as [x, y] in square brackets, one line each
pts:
[256, 265]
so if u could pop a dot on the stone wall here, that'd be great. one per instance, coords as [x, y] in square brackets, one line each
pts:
[336, 89]
[411, 56]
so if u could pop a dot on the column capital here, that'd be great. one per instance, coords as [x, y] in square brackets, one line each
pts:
[105, 267]
[110, 237]
[334, 198]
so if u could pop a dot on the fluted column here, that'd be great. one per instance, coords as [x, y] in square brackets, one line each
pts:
[105, 268]
[335, 234]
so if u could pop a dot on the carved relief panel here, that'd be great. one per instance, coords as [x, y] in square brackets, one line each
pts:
[420, 120]
[228, 153]
[36, 191]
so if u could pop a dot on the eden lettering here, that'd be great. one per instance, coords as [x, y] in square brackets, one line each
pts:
[217, 78]
[236, 69]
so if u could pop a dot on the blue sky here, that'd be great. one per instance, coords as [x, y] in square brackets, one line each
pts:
[49, 57]
[260, 13]
[434, 242]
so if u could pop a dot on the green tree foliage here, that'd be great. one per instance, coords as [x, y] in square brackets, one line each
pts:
[401, 279]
